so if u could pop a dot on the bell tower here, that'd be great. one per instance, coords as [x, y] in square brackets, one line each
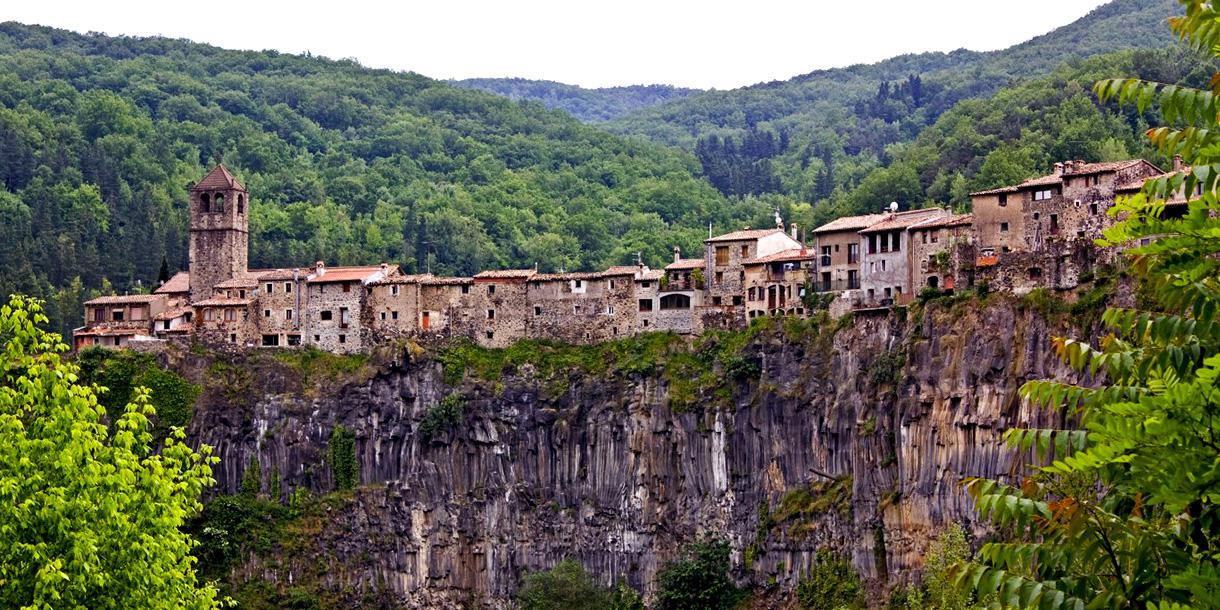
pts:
[219, 231]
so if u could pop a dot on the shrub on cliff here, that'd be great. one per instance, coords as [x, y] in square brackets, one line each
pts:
[567, 586]
[831, 584]
[1123, 511]
[699, 580]
[90, 515]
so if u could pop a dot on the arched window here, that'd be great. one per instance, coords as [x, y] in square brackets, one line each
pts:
[219, 201]
[241, 204]
[206, 203]
[675, 301]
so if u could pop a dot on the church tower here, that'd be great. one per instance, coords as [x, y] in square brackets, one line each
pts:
[219, 231]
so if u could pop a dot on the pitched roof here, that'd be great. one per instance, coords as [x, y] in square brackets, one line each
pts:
[221, 302]
[245, 280]
[650, 275]
[795, 254]
[559, 277]
[996, 191]
[170, 314]
[264, 275]
[180, 282]
[850, 223]
[744, 234]
[345, 274]
[956, 220]
[125, 299]
[902, 220]
[109, 330]
[1071, 168]
[218, 179]
[446, 281]
[505, 274]
[685, 263]
[623, 270]
[414, 278]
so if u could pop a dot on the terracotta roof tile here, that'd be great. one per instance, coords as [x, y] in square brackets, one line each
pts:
[618, 270]
[956, 220]
[414, 278]
[650, 275]
[902, 220]
[110, 331]
[850, 223]
[996, 191]
[170, 314]
[506, 274]
[561, 277]
[222, 302]
[346, 274]
[685, 263]
[795, 254]
[218, 179]
[125, 299]
[180, 282]
[447, 281]
[267, 275]
[241, 281]
[744, 234]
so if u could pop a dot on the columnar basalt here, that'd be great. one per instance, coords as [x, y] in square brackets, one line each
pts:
[875, 424]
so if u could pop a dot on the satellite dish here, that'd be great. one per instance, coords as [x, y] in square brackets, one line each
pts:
[893, 206]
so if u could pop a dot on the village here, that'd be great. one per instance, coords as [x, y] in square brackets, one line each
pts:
[1039, 233]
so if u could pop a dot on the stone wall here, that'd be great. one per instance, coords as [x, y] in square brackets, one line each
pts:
[330, 299]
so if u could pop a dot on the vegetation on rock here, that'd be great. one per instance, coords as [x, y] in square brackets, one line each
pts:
[567, 586]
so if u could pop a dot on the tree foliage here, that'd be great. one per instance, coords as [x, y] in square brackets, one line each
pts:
[567, 586]
[90, 516]
[1123, 510]
[699, 580]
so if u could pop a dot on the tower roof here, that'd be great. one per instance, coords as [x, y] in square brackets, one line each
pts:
[218, 179]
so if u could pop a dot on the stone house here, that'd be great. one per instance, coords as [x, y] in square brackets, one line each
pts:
[725, 257]
[776, 283]
[505, 305]
[281, 295]
[334, 304]
[837, 246]
[224, 319]
[581, 307]
[932, 248]
[648, 301]
[884, 277]
[115, 321]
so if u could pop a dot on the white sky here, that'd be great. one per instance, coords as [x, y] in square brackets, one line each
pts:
[710, 43]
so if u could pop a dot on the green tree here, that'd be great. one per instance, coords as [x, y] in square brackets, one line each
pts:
[567, 586]
[1123, 513]
[831, 584]
[699, 580]
[90, 516]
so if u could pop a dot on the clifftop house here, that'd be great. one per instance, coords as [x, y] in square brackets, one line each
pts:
[1036, 233]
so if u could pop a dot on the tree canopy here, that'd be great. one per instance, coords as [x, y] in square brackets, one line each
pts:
[89, 514]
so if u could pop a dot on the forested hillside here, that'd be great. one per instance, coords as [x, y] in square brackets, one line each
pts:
[813, 134]
[589, 105]
[101, 136]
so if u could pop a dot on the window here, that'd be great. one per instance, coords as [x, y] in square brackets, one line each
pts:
[241, 293]
[646, 284]
[394, 290]
[872, 244]
[325, 314]
[719, 277]
[269, 287]
[715, 300]
[271, 340]
[645, 304]
[745, 251]
[230, 315]
[885, 242]
[321, 288]
[576, 309]
[1093, 209]
[896, 240]
[209, 314]
[232, 337]
[925, 236]
[751, 294]
[294, 340]
[218, 203]
[883, 264]
[675, 301]
[165, 325]
[117, 315]
[491, 334]
[853, 253]
[393, 315]
[383, 316]
[611, 284]
[465, 289]
[287, 314]
[936, 236]
[722, 255]
[609, 310]
[347, 286]
[342, 338]
[1054, 224]
[491, 314]
[345, 317]
[1035, 273]
[288, 290]
[853, 279]
[241, 204]
[1043, 194]
[317, 338]
[825, 256]
[266, 313]
[578, 283]
[99, 314]
[205, 203]
[1003, 199]
[537, 310]
[1037, 215]
[737, 300]
[1003, 227]
[491, 289]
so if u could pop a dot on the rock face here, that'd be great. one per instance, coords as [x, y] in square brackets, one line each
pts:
[874, 424]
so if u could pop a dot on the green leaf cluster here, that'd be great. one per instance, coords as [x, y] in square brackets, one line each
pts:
[567, 586]
[91, 515]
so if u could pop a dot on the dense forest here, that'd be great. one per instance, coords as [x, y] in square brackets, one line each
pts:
[101, 136]
[588, 105]
[851, 116]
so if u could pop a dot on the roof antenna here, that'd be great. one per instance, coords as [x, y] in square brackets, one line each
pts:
[779, 221]
[709, 230]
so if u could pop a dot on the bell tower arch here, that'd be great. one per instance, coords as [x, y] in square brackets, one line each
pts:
[220, 229]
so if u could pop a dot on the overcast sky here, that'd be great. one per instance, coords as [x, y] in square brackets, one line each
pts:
[709, 43]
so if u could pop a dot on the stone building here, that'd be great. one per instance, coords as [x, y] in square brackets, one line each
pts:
[837, 245]
[776, 283]
[933, 260]
[334, 303]
[725, 257]
[884, 269]
[116, 321]
[220, 229]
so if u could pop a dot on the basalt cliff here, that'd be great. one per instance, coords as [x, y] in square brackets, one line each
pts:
[475, 466]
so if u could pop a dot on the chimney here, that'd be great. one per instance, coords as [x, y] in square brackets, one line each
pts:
[385, 269]
[319, 268]
[677, 254]
[1177, 163]
[793, 232]
[1059, 168]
